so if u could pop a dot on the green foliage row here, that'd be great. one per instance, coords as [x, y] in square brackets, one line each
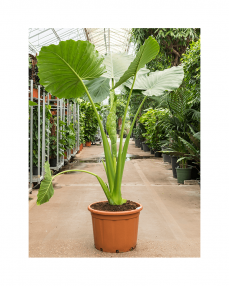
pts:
[177, 124]
[88, 121]
[154, 125]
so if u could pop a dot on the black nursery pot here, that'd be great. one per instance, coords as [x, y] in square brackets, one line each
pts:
[53, 162]
[137, 143]
[174, 165]
[141, 145]
[145, 147]
[151, 151]
[195, 171]
[166, 157]
[157, 154]
[35, 170]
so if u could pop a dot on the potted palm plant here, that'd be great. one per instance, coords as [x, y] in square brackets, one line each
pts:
[82, 73]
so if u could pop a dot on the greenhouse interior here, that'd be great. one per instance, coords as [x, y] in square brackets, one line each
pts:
[114, 165]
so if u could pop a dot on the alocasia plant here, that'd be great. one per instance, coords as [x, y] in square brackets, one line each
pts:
[74, 69]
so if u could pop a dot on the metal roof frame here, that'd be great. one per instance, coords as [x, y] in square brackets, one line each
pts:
[106, 40]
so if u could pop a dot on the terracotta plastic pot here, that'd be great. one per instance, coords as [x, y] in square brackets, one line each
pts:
[88, 144]
[65, 155]
[115, 231]
[35, 93]
[81, 146]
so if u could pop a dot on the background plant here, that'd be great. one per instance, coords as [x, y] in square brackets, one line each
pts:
[173, 44]
[155, 132]
[35, 132]
[53, 139]
[90, 121]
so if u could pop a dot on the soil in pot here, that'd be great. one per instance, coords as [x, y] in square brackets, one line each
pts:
[145, 147]
[174, 165]
[183, 174]
[53, 162]
[105, 206]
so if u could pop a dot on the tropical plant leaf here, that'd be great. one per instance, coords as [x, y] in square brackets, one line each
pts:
[32, 103]
[146, 53]
[98, 89]
[116, 65]
[189, 146]
[46, 190]
[183, 158]
[62, 67]
[129, 82]
[157, 82]
[197, 135]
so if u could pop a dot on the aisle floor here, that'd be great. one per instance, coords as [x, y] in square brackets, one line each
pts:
[169, 224]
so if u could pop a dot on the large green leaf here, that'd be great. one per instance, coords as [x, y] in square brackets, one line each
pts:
[129, 82]
[146, 53]
[98, 89]
[116, 65]
[46, 190]
[62, 67]
[32, 103]
[157, 82]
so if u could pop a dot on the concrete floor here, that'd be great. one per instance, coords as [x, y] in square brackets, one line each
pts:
[169, 224]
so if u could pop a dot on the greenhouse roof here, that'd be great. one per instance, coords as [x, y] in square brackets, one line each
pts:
[106, 40]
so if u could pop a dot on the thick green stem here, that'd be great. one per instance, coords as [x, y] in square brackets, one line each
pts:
[107, 152]
[124, 118]
[118, 175]
[103, 185]
[127, 140]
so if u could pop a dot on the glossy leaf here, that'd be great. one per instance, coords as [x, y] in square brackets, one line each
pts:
[116, 65]
[46, 190]
[98, 89]
[32, 103]
[157, 82]
[62, 67]
[146, 53]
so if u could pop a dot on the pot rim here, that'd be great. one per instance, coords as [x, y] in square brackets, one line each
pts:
[140, 207]
[183, 168]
